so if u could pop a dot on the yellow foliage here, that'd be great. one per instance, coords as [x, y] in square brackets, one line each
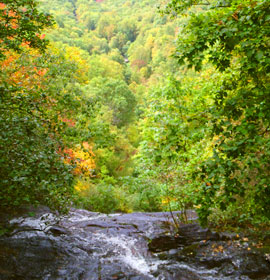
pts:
[79, 57]
[83, 157]
[28, 76]
[166, 200]
[111, 68]
[81, 186]
[133, 86]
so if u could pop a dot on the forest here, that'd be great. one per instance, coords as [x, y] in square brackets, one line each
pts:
[137, 105]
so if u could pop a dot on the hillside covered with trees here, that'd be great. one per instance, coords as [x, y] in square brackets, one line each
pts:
[128, 105]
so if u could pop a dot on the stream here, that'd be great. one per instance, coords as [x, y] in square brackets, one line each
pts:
[85, 245]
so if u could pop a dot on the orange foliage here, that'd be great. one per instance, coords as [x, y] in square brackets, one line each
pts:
[69, 122]
[26, 44]
[83, 157]
[41, 36]
[26, 76]
[13, 20]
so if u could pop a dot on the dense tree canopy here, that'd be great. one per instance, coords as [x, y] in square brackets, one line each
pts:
[21, 22]
[131, 109]
[36, 102]
[233, 36]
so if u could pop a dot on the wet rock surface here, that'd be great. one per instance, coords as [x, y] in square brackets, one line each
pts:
[139, 246]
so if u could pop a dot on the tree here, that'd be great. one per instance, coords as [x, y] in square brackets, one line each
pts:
[31, 168]
[234, 37]
[117, 96]
[40, 94]
[21, 22]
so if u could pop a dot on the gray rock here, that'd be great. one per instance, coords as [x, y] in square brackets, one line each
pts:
[139, 246]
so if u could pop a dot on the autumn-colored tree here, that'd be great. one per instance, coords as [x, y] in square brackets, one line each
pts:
[82, 157]
[35, 110]
[21, 22]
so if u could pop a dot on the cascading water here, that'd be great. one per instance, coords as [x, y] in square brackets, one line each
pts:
[138, 246]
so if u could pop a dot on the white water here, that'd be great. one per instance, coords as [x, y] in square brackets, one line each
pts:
[127, 251]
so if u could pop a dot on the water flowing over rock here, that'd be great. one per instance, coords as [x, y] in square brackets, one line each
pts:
[139, 246]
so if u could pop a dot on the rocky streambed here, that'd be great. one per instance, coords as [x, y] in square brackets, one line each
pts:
[139, 246]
